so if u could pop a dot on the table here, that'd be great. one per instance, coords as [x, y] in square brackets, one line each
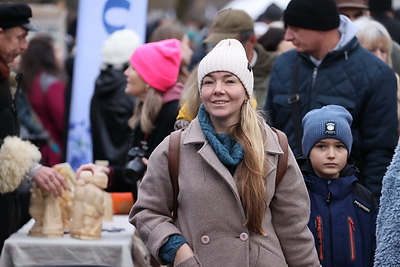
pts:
[113, 249]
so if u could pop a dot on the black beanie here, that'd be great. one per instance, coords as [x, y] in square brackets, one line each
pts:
[319, 15]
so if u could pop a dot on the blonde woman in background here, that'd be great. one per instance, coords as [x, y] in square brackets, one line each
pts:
[374, 37]
[152, 78]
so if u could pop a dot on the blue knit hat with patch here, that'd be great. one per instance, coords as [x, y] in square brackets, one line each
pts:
[330, 121]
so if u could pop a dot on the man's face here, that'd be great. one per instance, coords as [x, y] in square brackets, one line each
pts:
[305, 40]
[12, 43]
[353, 13]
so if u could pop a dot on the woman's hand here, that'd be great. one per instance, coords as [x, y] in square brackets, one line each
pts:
[184, 252]
[50, 180]
[93, 168]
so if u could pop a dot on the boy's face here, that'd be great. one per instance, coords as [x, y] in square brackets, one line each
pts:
[328, 157]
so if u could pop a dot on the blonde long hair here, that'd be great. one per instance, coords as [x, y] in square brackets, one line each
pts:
[372, 34]
[190, 95]
[147, 111]
[251, 171]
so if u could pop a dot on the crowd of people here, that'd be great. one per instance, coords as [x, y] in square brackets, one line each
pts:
[322, 73]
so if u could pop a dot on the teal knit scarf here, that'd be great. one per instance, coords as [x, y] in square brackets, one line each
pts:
[228, 151]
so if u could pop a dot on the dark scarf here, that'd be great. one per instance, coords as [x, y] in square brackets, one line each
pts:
[4, 70]
[228, 151]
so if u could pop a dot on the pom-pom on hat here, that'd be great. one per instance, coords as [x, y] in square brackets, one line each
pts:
[158, 63]
[319, 15]
[330, 121]
[228, 55]
[119, 46]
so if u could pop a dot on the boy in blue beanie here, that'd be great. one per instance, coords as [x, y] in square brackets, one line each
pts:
[343, 212]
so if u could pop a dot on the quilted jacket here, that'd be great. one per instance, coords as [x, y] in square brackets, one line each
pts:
[343, 218]
[354, 78]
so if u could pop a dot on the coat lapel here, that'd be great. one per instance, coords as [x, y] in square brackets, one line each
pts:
[195, 135]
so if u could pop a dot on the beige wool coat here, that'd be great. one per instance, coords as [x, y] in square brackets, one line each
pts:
[211, 216]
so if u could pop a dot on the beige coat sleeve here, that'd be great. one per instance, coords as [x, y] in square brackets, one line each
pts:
[151, 213]
[289, 206]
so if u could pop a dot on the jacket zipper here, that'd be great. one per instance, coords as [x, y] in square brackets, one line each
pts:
[313, 80]
[352, 229]
[314, 77]
[320, 243]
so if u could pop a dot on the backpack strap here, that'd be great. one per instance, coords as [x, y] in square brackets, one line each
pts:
[173, 166]
[282, 159]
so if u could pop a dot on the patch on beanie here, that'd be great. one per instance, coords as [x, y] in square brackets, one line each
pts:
[330, 128]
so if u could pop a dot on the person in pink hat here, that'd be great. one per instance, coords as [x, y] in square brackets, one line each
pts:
[152, 79]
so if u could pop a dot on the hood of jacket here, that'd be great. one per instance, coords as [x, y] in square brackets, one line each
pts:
[109, 80]
[335, 188]
[307, 169]
[173, 93]
[348, 41]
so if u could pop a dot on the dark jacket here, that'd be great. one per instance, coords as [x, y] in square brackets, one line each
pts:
[342, 220]
[164, 125]
[16, 159]
[9, 204]
[110, 111]
[353, 78]
[8, 113]
[391, 24]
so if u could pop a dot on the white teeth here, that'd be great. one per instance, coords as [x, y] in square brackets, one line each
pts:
[219, 102]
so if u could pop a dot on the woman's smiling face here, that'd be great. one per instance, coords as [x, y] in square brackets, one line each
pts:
[223, 95]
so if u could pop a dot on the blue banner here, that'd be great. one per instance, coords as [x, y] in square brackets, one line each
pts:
[96, 21]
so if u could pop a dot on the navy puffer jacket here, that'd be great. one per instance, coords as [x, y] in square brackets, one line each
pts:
[355, 79]
[343, 217]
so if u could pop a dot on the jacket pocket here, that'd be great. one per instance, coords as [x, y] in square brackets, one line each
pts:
[352, 230]
[320, 237]
[190, 262]
[266, 258]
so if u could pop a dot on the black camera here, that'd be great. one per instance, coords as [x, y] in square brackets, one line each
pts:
[135, 168]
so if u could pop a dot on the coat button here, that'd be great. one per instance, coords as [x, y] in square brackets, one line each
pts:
[244, 236]
[205, 239]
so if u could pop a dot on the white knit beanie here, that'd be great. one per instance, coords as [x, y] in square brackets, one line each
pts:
[119, 46]
[228, 55]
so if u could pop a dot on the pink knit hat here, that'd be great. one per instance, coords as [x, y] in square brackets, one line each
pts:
[158, 63]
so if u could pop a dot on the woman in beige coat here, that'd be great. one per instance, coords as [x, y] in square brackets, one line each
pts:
[229, 213]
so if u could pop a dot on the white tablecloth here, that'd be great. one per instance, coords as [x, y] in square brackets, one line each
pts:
[113, 249]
